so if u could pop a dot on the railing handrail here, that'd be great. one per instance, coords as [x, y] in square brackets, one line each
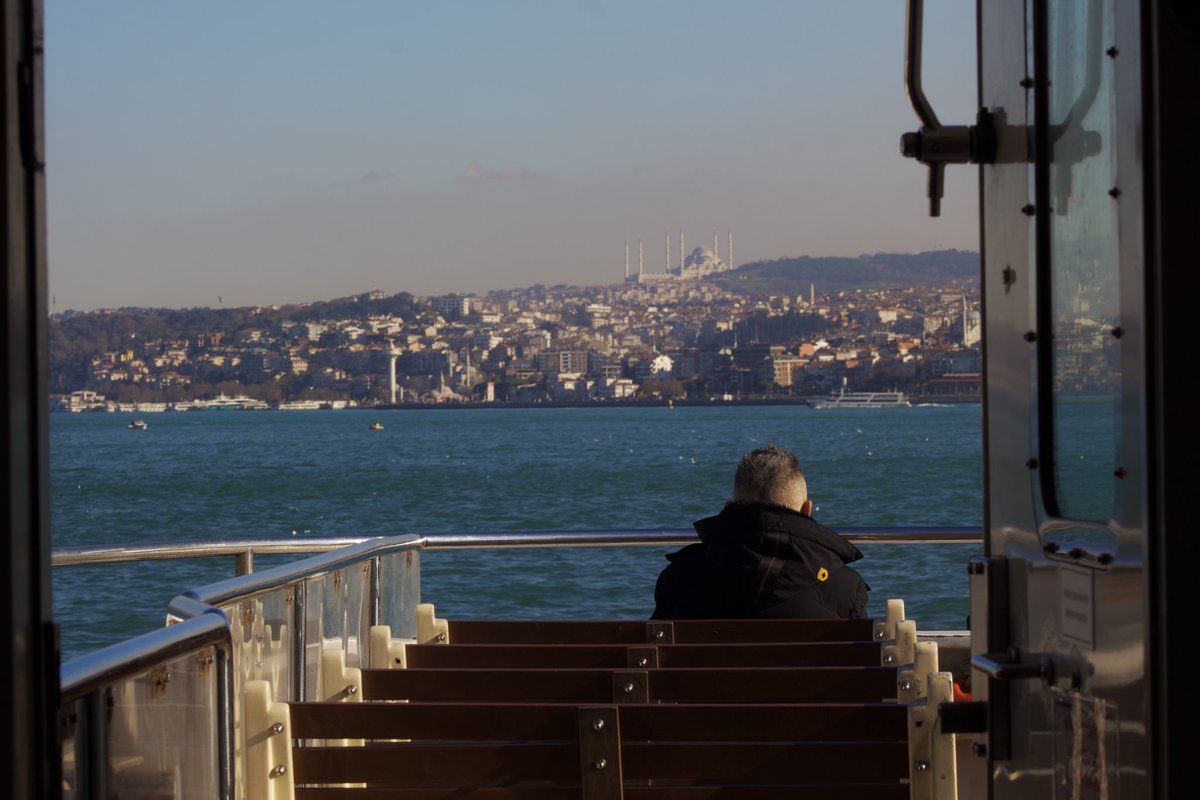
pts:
[246, 586]
[132, 657]
[126, 660]
[109, 554]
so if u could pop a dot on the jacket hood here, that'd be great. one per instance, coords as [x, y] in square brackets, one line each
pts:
[751, 525]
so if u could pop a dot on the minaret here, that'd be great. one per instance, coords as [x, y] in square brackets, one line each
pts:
[965, 342]
[682, 256]
[731, 249]
[640, 258]
[393, 353]
[812, 294]
[667, 266]
[715, 257]
[626, 260]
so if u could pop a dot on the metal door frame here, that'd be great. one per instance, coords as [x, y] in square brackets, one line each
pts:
[1017, 589]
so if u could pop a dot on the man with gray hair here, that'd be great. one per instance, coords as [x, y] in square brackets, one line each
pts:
[763, 556]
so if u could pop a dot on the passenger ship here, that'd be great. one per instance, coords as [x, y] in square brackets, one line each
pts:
[1077, 637]
[846, 399]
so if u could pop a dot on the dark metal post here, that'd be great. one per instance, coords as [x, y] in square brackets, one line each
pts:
[30, 764]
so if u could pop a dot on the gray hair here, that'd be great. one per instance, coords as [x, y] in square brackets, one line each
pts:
[770, 475]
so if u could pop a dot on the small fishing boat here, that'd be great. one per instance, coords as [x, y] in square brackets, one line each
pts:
[139, 424]
[375, 426]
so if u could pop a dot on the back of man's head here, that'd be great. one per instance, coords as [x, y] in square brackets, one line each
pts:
[770, 475]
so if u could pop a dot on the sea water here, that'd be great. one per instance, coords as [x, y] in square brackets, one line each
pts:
[293, 475]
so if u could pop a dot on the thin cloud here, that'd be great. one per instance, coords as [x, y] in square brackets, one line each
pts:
[478, 173]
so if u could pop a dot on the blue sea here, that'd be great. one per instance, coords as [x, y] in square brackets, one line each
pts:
[289, 475]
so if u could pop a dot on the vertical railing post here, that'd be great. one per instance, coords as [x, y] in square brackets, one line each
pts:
[225, 729]
[96, 742]
[298, 638]
[243, 562]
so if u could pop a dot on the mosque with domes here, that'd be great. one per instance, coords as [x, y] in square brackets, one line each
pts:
[700, 263]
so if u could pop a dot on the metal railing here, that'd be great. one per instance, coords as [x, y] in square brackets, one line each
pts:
[245, 549]
[87, 683]
[203, 624]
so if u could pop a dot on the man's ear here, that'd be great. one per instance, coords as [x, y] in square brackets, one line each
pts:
[806, 509]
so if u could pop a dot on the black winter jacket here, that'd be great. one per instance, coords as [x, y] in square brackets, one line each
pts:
[761, 561]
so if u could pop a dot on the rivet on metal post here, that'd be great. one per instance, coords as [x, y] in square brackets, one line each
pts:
[277, 728]
[921, 766]
[601, 763]
[889, 659]
[643, 661]
[905, 686]
[628, 688]
[598, 724]
[277, 772]
[352, 689]
[660, 634]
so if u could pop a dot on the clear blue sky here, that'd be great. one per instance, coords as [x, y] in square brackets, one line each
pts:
[275, 152]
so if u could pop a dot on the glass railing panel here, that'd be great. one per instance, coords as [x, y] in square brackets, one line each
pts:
[163, 731]
[337, 619]
[343, 619]
[262, 640]
[263, 649]
[400, 592]
[316, 596]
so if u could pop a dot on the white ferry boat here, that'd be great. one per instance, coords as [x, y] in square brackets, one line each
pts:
[1079, 645]
[223, 402]
[301, 405]
[846, 399]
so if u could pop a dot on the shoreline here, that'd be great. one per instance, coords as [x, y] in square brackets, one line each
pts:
[916, 400]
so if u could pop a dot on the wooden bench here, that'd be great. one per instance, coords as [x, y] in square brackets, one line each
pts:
[739, 685]
[658, 632]
[613, 709]
[602, 751]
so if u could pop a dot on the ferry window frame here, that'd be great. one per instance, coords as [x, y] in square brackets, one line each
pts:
[1055, 521]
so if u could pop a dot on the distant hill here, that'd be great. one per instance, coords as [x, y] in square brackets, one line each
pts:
[792, 276]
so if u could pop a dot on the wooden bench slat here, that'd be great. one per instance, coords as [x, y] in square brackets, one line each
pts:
[635, 631]
[480, 793]
[471, 765]
[884, 791]
[888, 791]
[615, 656]
[462, 721]
[766, 763]
[827, 722]
[746, 685]
[421, 764]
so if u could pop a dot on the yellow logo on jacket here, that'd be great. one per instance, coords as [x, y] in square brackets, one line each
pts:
[822, 574]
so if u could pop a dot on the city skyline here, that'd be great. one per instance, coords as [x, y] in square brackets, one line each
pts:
[305, 152]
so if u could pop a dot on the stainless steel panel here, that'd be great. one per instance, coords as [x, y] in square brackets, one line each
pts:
[1082, 609]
